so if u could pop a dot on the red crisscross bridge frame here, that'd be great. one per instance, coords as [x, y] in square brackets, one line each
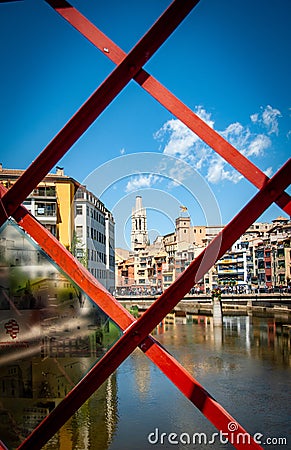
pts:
[136, 332]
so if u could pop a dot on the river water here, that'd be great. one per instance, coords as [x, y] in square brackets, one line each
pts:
[245, 365]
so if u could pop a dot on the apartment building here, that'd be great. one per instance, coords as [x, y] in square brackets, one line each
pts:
[95, 237]
[260, 259]
[76, 217]
[232, 267]
[50, 202]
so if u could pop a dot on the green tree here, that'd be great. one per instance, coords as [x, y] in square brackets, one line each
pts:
[77, 245]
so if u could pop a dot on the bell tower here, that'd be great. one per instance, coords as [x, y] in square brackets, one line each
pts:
[139, 231]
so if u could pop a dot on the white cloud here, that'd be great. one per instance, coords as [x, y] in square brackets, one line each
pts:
[254, 117]
[258, 145]
[204, 115]
[237, 135]
[141, 181]
[180, 138]
[268, 172]
[217, 172]
[269, 117]
[234, 129]
[179, 141]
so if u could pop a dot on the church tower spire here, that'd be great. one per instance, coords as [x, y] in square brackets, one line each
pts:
[139, 231]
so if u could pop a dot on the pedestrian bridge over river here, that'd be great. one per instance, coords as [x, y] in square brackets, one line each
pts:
[231, 304]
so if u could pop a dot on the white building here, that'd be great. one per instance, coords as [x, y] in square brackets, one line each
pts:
[94, 238]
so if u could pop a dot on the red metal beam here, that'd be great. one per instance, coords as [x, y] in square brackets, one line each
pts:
[2, 446]
[168, 100]
[146, 343]
[96, 104]
[137, 332]
[190, 387]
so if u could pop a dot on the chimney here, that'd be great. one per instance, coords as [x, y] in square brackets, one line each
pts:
[60, 171]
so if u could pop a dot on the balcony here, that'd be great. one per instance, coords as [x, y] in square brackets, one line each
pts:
[227, 271]
[45, 191]
[45, 210]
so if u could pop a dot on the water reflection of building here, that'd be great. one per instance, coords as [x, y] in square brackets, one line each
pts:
[271, 338]
[51, 334]
[142, 373]
[93, 425]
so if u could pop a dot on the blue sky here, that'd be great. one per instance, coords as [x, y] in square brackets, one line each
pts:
[229, 61]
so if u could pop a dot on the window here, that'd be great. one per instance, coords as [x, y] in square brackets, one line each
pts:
[259, 253]
[79, 193]
[80, 253]
[45, 209]
[79, 231]
[280, 252]
[79, 210]
[168, 278]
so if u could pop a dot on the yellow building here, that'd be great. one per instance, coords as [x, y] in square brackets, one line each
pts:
[51, 202]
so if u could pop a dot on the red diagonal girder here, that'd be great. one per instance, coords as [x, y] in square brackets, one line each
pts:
[10, 207]
[138, 331]
[190, 387]
[95, 105]
[168, 100]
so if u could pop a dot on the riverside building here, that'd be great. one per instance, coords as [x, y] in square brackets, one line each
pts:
[258, 261]
[76, 217]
